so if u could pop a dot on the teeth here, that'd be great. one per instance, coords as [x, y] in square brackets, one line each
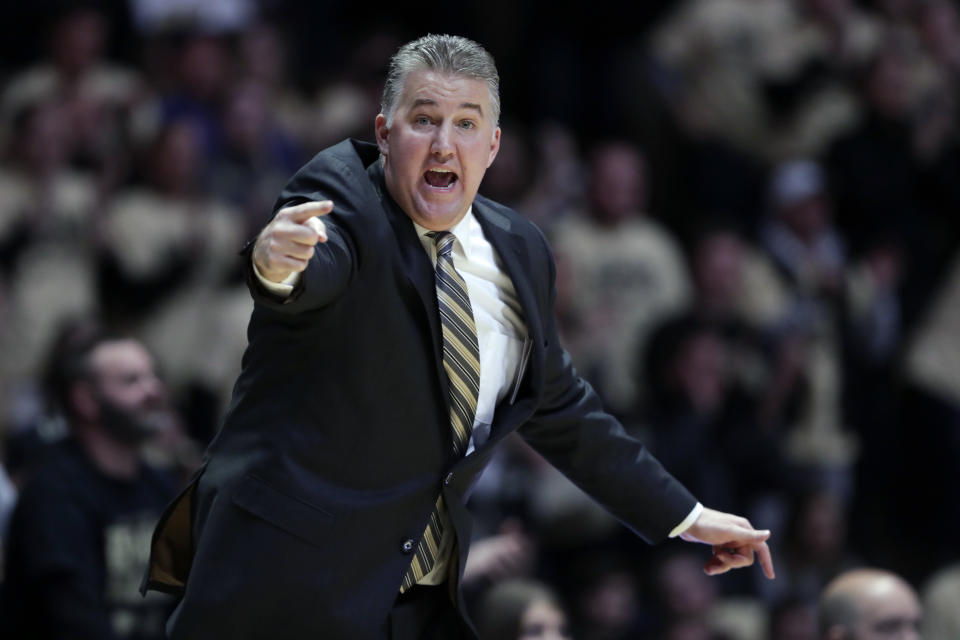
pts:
[441, 170]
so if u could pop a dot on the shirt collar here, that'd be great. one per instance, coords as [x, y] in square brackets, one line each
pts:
[464, 231]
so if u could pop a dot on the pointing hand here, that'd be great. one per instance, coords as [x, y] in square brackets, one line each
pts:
[287, 243]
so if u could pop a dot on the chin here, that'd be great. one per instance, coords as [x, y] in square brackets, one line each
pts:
[444, 217]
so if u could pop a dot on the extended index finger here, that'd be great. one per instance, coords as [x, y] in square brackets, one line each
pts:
[766, 560]
[302, 212]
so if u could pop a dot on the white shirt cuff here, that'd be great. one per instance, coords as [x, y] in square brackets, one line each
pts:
[688, 521]
[282, 289]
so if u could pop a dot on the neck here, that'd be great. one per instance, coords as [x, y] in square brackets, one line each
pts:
[112, 458]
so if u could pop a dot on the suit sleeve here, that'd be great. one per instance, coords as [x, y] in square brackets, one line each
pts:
[334, 262]
[573, 432]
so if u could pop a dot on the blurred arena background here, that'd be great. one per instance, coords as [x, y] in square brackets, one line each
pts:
[754, 205]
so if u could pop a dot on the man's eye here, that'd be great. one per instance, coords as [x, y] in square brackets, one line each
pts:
[467, 124]
[422, 120]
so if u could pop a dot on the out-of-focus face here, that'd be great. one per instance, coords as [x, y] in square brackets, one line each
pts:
[438, 146]
[718, 269]
[686, 591]
[543, 620]
[888, 610]
[79, 40]
[888, 85]
[618, 184]
[701, 372]
[176, 160]
[46, 140]
[131, 399]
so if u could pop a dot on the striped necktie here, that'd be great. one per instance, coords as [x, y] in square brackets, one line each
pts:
[461, 361]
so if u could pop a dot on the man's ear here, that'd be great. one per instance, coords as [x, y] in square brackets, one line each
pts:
[494, 146]
[84, 401]
[382, 131]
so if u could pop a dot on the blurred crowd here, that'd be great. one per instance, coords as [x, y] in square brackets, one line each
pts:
[753, 208]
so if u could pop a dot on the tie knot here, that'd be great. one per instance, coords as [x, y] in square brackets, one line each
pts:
[444, 241]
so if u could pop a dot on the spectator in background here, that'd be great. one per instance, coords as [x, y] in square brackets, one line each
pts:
[257, 157]
[720, 384]
[94, 96]
[557, 185]
[738, 293]
[169, 272]
[873, 345]
[619, 272]
[80, 533]
[686, 599]
[264, 60]
[605, 595]
[348, 98]
[48, 222]
[874, 174]
[165, 232]
[939, 28]
[793, 618]
[522, 610]
[690, 410]
[869, 604]
[816, 548]
[810, 255]
[800, 235]
[198, 69]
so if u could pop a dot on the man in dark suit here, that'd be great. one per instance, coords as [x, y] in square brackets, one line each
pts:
[393, 344]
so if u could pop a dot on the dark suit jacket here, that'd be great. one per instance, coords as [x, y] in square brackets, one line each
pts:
[337, 440]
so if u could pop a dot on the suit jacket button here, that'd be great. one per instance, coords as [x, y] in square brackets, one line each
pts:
[448, 479]
[407, 546]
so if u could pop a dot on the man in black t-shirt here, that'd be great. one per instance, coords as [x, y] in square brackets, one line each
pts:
[80, 534]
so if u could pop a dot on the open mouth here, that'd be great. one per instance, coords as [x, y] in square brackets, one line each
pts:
[440, 178]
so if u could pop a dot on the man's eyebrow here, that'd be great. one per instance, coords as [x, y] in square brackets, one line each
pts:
[419, 102]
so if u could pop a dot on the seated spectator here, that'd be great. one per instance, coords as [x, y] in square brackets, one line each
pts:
[258, 155]
[80, 534]
[619, 272]
[522, 610]
[47, 225]
[170, 272]
[810, 254]
[868, 604]
[815, 548]
[793, 618]
[95, 95]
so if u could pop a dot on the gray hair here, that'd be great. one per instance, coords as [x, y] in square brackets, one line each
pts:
[453, 55]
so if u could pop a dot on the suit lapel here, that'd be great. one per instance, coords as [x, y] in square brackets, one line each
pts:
[514, 254]
[416, 266]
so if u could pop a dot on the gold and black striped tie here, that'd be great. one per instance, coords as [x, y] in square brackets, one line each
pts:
[461, 361]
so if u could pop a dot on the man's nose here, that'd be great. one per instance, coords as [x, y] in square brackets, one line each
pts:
[152, 389]
[442, 145]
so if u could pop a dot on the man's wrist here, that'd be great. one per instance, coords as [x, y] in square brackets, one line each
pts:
[688, 521]
[281, 289]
